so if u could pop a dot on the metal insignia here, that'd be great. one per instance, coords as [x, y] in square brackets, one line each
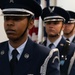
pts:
[11, 1]
[2, 52]
[51, 9]
[62, 56]
[26, 55]
[61, 44]
[65, 58]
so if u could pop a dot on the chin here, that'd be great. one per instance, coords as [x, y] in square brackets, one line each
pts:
[12, 38]
[51, 35]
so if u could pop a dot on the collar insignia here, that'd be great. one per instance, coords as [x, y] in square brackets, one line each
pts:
[2, 52]
[26, 56]
[61, 44]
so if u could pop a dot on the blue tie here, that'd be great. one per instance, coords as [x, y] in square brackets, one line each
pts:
[50, 45]
[67, 39]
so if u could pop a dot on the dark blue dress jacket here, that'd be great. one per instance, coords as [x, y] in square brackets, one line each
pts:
[73, 40]
[32, 64]
[62, 49]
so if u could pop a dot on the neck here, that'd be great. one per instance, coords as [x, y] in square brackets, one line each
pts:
[53, 39]
[68, 35]
[17, 43]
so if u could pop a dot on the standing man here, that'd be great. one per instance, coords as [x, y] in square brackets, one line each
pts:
[54, 18]
[69, 29]
[20, 55]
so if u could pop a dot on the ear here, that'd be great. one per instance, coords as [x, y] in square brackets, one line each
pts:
[63, 27]
[31, 24]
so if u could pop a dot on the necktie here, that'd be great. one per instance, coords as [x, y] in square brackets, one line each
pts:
[13, 61]
[67, 39]
[50, 46]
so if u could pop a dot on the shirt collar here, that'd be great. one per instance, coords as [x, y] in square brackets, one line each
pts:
[55, 43]
[70, 38]
[19, 49]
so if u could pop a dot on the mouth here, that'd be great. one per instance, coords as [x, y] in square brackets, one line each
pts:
[10, 31]
[51, 29]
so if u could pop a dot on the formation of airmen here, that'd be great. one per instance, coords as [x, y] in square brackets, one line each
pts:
[56, 20]
[21, 56]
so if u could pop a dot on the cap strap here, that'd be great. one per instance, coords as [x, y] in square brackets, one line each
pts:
[18, 10]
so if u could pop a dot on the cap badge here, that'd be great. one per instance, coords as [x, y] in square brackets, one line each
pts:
[51, 9]
[11, 1]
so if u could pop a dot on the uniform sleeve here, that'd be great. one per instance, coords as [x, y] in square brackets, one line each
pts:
[51, 64]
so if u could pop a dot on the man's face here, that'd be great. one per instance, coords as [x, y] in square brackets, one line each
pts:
[68, 28]
[15, 26]
[53, 27]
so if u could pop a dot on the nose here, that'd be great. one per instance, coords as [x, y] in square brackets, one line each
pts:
[9, 23]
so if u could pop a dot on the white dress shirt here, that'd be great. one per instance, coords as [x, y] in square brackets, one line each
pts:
[54, 43]
[70, 38]
[19, 49]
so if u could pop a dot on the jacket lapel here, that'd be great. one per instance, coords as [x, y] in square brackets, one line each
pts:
[4, 59]
[44, 43]
[73, 40]
[25, 61]
[61, 44]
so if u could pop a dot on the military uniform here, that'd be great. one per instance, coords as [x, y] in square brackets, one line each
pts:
[30, 62]
[70, 22]
[51, 15]
[64, 62]
[73, 40]
[33, 58]
[71, 68]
